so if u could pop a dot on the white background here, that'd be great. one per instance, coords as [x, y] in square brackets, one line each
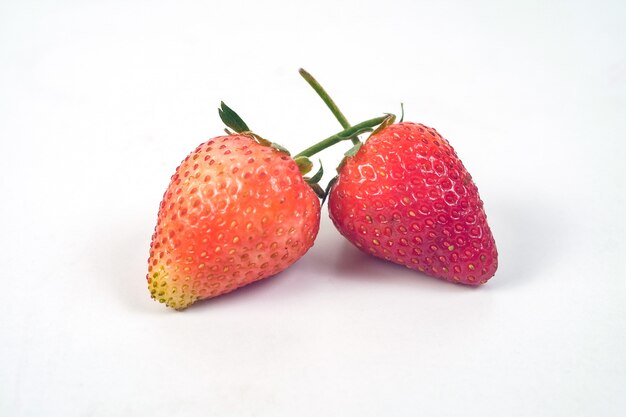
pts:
[100, 101]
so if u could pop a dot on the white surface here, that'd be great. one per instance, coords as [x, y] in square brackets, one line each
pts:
[99, 102]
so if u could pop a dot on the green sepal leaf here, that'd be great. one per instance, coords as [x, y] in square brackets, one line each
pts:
[234, 122]
[304, 164]
[280, 148]
[349, 153]
[318, 190]
[328, 187]
[389, 120]
[317, 177]
[232, 119]
[353, 150]
[265, 142]
[341, 163]
[258, 138]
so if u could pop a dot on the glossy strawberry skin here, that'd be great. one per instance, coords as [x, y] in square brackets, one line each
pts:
[234, 212]
[406, 197]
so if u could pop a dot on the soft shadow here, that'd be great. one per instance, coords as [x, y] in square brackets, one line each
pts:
[532, 237]
[243, 295]
[353, 264]
[297, 280]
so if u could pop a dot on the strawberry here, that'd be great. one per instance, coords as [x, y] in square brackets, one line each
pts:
[237, 210]
[406, 197]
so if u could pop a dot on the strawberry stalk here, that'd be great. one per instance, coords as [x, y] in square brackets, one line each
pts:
[236, 123]
[390, 119]
[346, 134]
[330, 103]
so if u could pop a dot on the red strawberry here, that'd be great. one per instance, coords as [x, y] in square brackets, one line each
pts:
[406, 197]
[236, 211]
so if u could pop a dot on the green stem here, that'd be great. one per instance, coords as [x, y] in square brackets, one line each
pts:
[328, 101]
[343, 135]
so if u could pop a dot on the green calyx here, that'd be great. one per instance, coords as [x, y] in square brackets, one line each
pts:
[303, 161]
[233, 121]
[354, 134]
[389, 120]
[317, 176]
[235, 124]
[314, 181]
[304, 164]
[328, 187]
